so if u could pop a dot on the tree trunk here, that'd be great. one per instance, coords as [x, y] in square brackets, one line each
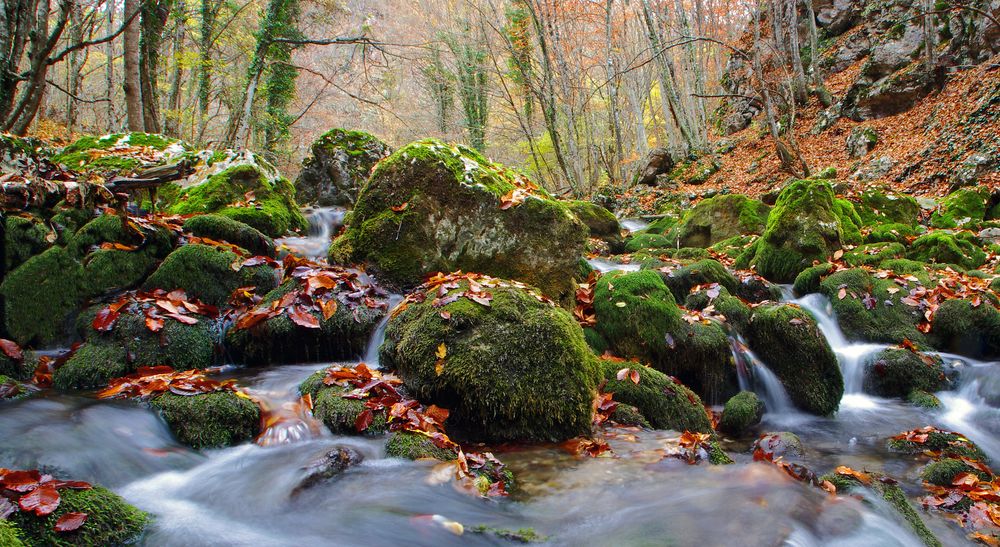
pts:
[109, 70]
[132, 88]
[668, 89]
[617, 172]
[153, 20]
[173, 117]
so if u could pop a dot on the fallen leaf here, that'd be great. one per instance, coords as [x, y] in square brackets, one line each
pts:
[70, 522]
[42, 500]
[400, 208]
[11, 349]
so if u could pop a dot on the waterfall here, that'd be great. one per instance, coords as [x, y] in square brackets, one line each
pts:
[323, 223]
[370, 356]
[634, 224]
[756, 377]
[604, 266]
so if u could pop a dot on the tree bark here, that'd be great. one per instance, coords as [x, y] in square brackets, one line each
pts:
[173, 116]
[132, 88]
[153, 21]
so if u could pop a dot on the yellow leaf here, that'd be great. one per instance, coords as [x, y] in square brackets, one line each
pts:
[442, 351]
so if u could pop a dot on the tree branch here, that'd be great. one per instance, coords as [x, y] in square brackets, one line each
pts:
[87, 43]
[74, 97]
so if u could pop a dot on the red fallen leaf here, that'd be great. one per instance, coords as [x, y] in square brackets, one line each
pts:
[186, 319]
[965, 480]
[118, 246]
[438, 414]
[328, 307]
[11, 349]
[167, 306]
[864, 478]
[21, 481]
[869, 301]
[446, 315]
[42, 500]
[301, 317]
[154, 324]
[842, 293]
[364, 420]
[400, 208]
[910, 301]
[105, 319]
[70, 522]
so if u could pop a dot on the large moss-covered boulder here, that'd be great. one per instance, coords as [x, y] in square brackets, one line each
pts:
[209, 420]
[337, 412]
[40, 297]
[947, 248]
[871, 308]
[663, 402]
[718, 218]
[802, 227]
[223, 228]
[682, 279]
[601, 223]
[897, 372]
[110, 520]
[433, 206]
[960, 327]
[638, 317]
[206, 272]
[279, 339]
[24, 236]
[252, 193]
[130, 345]
[516, 369]
[787, 339]
[876, 206]
[340, 163]
[114, 153]
[962, 208]
[742, 411]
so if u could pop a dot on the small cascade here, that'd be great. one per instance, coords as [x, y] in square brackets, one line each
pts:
[604, 266]
[371, 352]
[634, 224]
[851, 356]
[756, 377]
[323, 223]
[287, 419]
[968, 412]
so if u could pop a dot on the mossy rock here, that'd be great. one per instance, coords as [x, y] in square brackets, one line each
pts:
[808, 281]
[338, 413]
[944, 471]
[339, 164]
[643, 241]
[876, 206]
[110, 520]
[662, 225]
[889, 491]
[112, 228]
[21, 370]
[638, 317]
[273, 210]
[223, 228]
[897, 372]
[963, 208]
[131, 345]
[629, 416]
[433, 206]
[24, 237]
[742, 411]
[206, 273]
[950, 444]
[883, 323]
[873, 254]
[663, 402]
[893, 232]
[734, 246]
[86, 153]
[40, 297]
[209, 420]
[719, 218]
[343, 336]
[803, 226]
[850, 221]
[67, 219]
[681, 280]
[959, 327]
[600, 222]
[946, 248]
[414, 446]
[787, 339]
[695, 172]
[516, 370]
[923, 399]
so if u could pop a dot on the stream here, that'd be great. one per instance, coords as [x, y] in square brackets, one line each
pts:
[248, 495]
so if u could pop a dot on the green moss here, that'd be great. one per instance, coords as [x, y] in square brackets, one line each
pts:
[943, 472]
[205, 273]
[601, 222]
[664, 403]
[680, 281]
[273, 211]
[112, 269]
[850, 221]
[965, 207]
[223, 228]
[92, 366]
[518, 369]
[521, 535]
[889, 491]
[809, 280]
[719, 218]
[642, 241]
[414, 446]
[873, 254]
[40, 296]
[959, 327]
[718, 456]
[695, 172]
[883, 323]
[10, 535]
[787, 339]
[951, 444]
[629, 416]
[453, 194]
[923, 399]
[78, 155]
[742, 411]
[340, 414]
[897, 372]
[803, 226]
[639, 318]
[899, 233]
[210, 420]
[945, 248]
[24, 237]
[662, 225]
[19, 370]
[876, 206]
[110, 520]
[111, 228]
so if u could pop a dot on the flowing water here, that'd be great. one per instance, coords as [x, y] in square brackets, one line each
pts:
[323, 224]
[253, 494]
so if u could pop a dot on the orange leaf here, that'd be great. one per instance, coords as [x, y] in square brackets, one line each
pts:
[70, 522]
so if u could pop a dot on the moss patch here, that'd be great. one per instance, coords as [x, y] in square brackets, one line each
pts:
[884, 323]
[742, 411]
[965, 208]
[223, 228]
[959, 327]
[719, 218]
[897, 372]
[40, 296]
[946, 248]
[110, 520]
[206, 273]
[664, 403]
[414, 446]
[209, 420]
[889, 491]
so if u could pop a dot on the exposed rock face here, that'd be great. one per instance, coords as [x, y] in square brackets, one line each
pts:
[658, 162]
[433, 207]
[340, 163]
